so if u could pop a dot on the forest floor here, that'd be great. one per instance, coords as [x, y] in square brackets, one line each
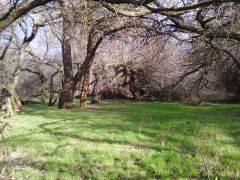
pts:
[123, 140]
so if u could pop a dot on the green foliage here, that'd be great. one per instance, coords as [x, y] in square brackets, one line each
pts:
[122, 140]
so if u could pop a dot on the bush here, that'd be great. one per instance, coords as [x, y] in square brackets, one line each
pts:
[112, 95]
[169, 94]
[192, 100]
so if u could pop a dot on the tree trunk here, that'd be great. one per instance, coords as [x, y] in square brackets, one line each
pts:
[94, 39]
[51, 102]
[16, 102]
[66, 96]
[132, 87]
[7, 105]
[84, 92]
[9, 109]
[11, 99]
[95, 91]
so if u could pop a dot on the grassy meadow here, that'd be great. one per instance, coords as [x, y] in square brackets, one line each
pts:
[123, 140]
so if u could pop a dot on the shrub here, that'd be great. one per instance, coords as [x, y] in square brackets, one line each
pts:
[192, 100]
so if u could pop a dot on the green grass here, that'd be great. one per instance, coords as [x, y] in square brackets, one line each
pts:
[123, 140]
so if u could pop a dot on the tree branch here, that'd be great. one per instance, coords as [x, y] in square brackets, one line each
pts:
[5, 49]
[190, 6]
[16, 12]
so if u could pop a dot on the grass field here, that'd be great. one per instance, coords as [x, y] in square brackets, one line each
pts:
[123, 140]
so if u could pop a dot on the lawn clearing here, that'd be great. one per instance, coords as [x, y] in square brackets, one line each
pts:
[123, 140]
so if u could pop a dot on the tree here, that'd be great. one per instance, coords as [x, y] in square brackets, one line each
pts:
[11, 98]
[185, 21]
[101, 28]
[174, 14]
[66, 96]
[212, 66]
[201, 22]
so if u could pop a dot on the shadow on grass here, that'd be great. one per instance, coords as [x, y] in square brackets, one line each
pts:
[150, 119]
[146, 126]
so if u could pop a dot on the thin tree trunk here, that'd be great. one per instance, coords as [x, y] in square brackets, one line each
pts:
[95, 91]
[51, 90]
[84, 92]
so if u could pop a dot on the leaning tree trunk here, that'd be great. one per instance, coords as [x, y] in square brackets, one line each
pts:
[84, 91]
[95, 37]
[84, 71]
